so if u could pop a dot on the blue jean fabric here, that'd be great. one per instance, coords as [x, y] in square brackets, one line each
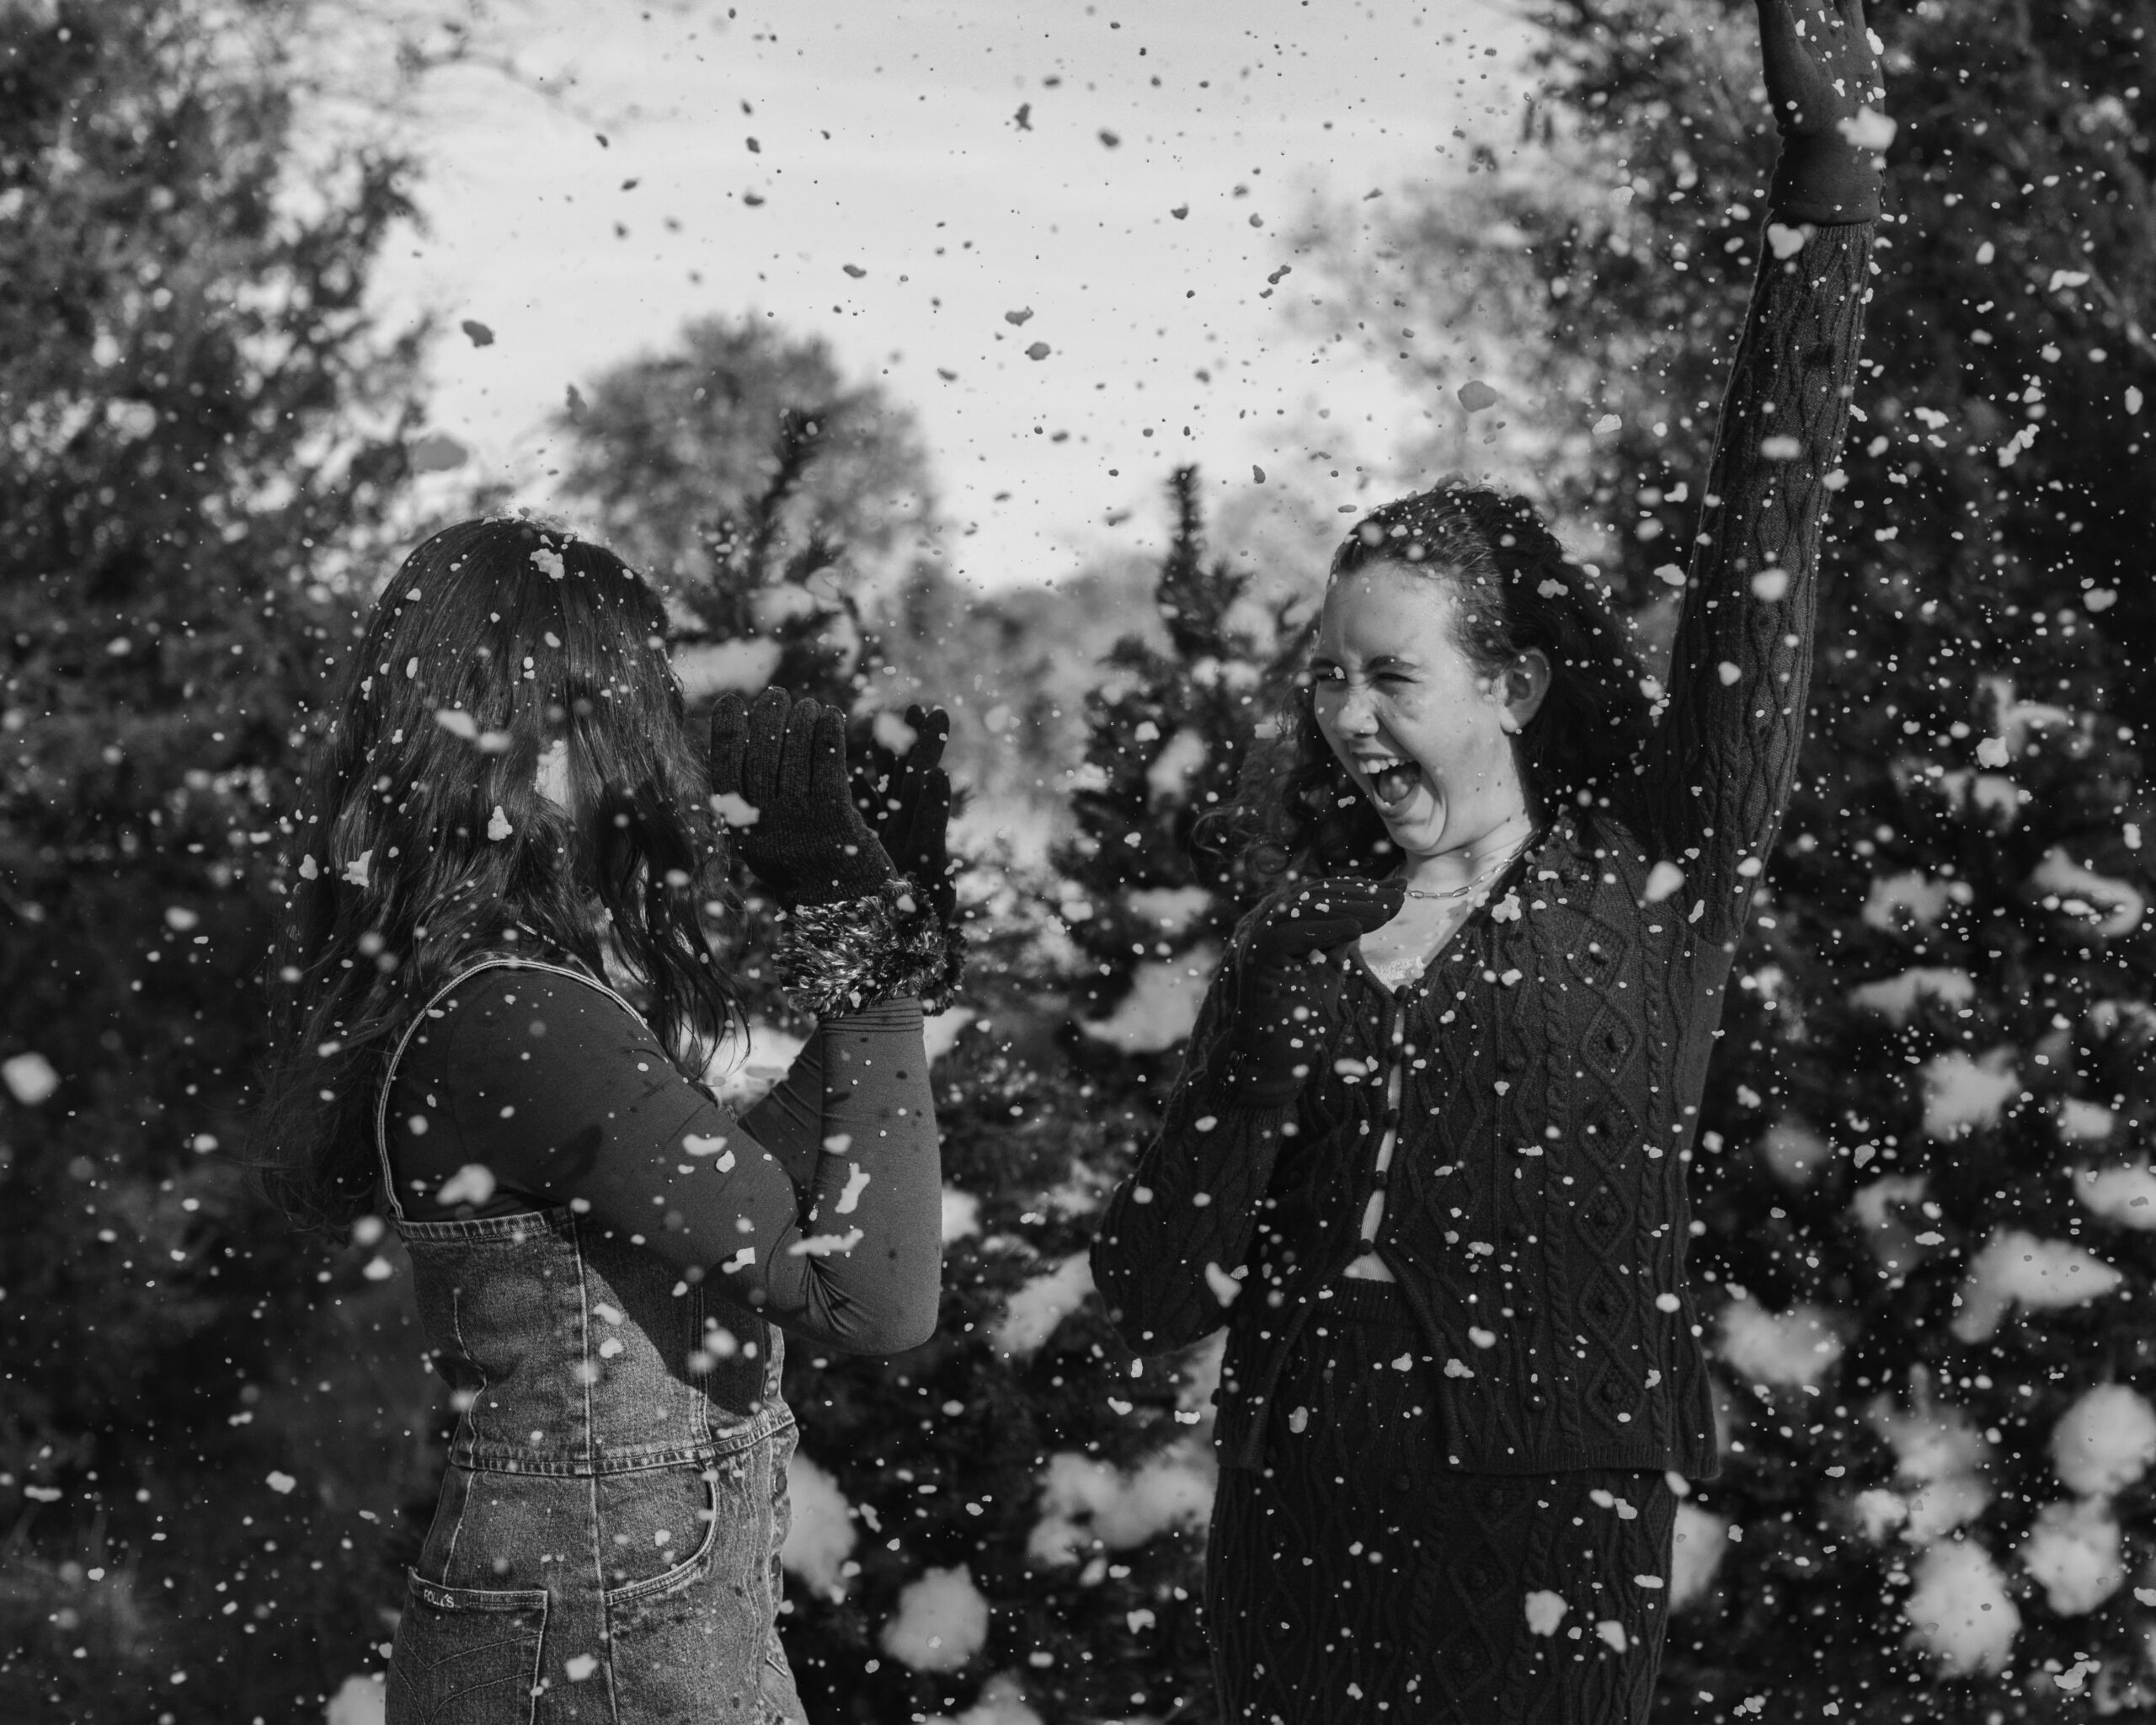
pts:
[605, 1547]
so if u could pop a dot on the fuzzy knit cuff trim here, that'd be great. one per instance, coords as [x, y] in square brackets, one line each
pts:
[839, 958]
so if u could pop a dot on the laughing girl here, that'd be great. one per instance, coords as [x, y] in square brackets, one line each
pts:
[1426, 1158]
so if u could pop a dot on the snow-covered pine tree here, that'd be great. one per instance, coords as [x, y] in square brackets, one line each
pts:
[1153, 893]
[1918, 1181]
[1928, 1129]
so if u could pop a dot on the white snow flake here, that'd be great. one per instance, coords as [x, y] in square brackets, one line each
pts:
[2043, 1274]
[30, 1078]
[1960, 1611]
[820, 1535]
[735, 810]
[472, 1184]
[1033, 1312]
[1794, 1347]
[2075, 1551]
[2105, 1442]
[1545, 1610]
[941, 1623]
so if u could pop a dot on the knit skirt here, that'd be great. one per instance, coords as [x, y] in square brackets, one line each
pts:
[1356, 1578]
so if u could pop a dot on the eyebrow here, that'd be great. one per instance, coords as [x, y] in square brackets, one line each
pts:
[1376, 661]
[1389, 662]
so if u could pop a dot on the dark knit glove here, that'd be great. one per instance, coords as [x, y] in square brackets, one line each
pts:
[1282, 982]
[906, 798]
[778, 779]
[1821, 70]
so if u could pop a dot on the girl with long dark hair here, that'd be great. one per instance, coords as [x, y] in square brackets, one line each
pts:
[509, 832]
[1426, 1157]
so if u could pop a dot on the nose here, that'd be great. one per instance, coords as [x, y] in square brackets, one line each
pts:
[1356, 713]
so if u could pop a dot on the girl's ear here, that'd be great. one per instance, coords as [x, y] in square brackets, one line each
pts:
[1522, 687]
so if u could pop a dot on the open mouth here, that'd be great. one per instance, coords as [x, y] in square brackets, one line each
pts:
[1392, 779]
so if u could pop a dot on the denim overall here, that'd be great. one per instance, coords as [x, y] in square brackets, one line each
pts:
[606, 1543]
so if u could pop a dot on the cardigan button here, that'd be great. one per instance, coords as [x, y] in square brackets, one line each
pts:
[1401, 1483]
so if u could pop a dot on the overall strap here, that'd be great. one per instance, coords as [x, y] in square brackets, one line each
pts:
[403, 1042]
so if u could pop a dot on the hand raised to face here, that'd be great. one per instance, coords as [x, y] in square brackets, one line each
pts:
[905, 798]
[778, 780]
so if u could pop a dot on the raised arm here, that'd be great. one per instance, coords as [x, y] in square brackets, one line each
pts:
[1721, 762]
[557, 1091]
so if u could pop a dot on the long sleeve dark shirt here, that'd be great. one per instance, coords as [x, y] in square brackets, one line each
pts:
[820, 1207]
[1552, 1058]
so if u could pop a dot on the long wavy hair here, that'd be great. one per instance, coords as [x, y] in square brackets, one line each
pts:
[1299, 812]
[424, 838]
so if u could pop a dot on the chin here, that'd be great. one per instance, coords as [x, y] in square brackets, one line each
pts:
[1416, 837]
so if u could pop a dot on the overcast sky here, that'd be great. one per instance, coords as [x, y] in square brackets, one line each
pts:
[859, 168]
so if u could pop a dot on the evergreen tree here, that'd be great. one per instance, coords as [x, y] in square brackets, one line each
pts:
[671, 444]
[1169, 729]
[1020, 1486]
[1924, 1143]
[206, 1423]
[788, 513]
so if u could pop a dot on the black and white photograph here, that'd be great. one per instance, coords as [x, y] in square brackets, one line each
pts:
[1051, 863]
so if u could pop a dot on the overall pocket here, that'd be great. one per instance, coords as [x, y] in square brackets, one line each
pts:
[688, 1641]
[465, 1656]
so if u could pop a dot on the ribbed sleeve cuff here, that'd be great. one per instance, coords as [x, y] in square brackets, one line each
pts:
[1825, 181]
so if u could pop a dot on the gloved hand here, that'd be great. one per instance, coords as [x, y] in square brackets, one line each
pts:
[906, 799]
[1273, 1045]
[778, 779]
[1821, 69]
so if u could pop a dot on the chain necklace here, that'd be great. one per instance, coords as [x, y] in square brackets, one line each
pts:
[1473, 886]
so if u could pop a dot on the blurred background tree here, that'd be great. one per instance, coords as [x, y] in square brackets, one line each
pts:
[1923, 1175]
[789, 514]
[204, 1422]
[1021, 1489]
[669, 446]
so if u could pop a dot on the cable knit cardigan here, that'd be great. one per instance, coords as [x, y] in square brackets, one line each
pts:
[1553, 1055]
